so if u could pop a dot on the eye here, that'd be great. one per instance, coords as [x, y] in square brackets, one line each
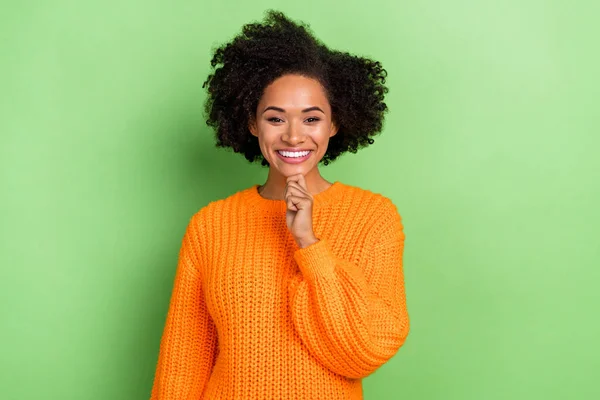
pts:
[277, 120]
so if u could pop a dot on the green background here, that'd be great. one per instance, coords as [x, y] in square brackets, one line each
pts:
[490, 152]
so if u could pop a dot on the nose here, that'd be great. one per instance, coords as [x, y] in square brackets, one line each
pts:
[293, 134]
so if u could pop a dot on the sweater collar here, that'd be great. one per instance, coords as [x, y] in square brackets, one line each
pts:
[328, 195]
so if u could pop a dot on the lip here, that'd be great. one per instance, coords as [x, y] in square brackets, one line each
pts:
[292, 149]
[296, 160]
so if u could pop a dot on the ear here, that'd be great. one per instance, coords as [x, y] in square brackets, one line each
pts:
[333, 130]
[252, 127]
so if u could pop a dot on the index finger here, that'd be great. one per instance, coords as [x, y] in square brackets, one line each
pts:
[300, 179]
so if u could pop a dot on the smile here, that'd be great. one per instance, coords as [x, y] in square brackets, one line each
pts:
[294, 157]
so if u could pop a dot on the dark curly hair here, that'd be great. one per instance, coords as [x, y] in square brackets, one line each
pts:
[263, 52]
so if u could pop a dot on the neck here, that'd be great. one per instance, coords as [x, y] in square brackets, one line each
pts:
[274, 187]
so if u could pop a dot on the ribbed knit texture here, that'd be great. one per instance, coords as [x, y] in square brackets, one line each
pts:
[253, 316]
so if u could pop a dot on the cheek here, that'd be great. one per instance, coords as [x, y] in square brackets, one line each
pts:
[269, 137]
[322, 137]
[265, 132]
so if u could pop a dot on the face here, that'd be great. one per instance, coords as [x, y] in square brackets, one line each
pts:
[294, 114]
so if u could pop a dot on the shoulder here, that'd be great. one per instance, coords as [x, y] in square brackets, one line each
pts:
[378, 212]
[377, 203]
[220, 208]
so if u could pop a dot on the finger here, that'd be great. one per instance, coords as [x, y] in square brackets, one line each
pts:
[295, 193]
[291, 203]
[295, 203]
[300, 179]
[297, 186]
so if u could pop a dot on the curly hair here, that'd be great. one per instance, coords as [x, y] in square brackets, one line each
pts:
[354, 86]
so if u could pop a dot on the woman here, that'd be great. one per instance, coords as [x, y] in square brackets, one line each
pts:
[293, 289]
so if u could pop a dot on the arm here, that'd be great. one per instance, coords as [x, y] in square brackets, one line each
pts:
[189, 341]
[352, 317]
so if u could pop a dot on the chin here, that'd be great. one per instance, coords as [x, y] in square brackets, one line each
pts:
[291, 169]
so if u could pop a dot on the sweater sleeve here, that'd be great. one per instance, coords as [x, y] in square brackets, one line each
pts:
[352, 315]
[189, 344]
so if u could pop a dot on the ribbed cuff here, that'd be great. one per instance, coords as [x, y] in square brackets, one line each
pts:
[315, 260]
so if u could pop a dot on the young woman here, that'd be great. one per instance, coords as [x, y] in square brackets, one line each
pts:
[293, 289]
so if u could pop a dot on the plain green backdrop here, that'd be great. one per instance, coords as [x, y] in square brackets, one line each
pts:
[490, 152]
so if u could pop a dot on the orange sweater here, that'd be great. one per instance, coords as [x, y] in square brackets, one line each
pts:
[253, 316]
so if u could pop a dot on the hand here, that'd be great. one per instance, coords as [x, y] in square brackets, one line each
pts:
[298, 216]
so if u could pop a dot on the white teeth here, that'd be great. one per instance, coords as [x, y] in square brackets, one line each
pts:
[293, 154]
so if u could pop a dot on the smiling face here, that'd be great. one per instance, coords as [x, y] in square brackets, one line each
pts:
[293, 114]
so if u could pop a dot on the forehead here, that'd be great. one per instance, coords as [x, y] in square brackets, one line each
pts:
[294, 91]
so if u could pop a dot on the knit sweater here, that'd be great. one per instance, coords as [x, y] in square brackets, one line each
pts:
[254, 316]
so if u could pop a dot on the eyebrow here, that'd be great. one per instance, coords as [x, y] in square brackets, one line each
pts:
[315, 108]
